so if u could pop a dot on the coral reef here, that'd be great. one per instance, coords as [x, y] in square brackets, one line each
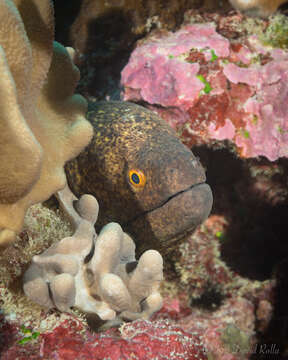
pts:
[224, 88]
[136, 162]
[206, 302]
[141, 340]
[96, 275]
[42, 123]
[225, 294]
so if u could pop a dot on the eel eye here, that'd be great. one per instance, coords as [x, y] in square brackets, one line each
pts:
[137, 178]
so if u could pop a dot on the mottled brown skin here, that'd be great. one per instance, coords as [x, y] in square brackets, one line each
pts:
[174, 199]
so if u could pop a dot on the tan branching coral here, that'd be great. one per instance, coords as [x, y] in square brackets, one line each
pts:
[261, 8]
[97, 274]
[42, 123]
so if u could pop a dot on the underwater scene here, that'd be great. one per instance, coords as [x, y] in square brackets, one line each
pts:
[144, 180]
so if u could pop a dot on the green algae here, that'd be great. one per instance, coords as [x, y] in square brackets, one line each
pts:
[245, 133]
[28, 335]
[214, 57]
[207, 86]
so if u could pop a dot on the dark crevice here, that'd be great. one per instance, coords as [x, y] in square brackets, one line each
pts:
[253, 197]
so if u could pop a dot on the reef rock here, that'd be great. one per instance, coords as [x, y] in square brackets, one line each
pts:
[129, 17]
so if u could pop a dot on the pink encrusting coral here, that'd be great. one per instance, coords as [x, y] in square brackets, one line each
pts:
[209, 88]
[156, 68]
[269, 122]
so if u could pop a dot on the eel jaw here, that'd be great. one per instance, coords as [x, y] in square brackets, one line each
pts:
[179, 215]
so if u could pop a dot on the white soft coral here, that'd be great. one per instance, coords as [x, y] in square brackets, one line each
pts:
[97, 274]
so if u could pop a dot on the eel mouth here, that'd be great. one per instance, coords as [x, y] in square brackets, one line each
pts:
[163, 203]
[175, 217]
[175, 195]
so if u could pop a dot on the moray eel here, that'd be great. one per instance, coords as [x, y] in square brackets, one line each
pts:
[142, 176]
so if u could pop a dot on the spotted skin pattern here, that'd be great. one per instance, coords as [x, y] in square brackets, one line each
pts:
[172, 197]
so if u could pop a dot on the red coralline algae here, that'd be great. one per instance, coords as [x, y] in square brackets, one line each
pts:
[174, 333]
[227, 333]
[209, 88]
[172, 309]
[10, 349]
[141, 340]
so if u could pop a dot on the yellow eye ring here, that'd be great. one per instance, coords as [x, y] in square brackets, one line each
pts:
[137, 178]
